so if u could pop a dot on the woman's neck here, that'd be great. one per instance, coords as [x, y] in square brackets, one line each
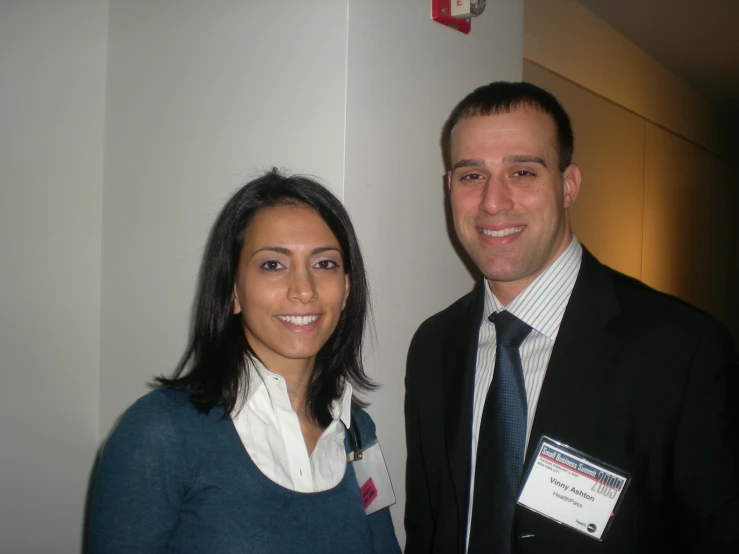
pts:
[297, 374]
[297, 378]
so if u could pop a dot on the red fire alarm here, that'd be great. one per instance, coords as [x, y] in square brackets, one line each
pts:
[441, 11]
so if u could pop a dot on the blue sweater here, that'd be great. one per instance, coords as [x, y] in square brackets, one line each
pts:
[174, 480]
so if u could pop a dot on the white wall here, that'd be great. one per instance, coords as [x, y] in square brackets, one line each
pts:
[198, 98]
[354, 92]
[52, 87]
[400, 90]
[201, 97]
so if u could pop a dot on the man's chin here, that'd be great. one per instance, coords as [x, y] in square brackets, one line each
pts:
[500, 273]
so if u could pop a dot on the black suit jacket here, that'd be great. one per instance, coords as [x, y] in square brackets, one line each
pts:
[637, 379]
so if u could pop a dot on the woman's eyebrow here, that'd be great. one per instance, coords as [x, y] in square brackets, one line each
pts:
[322, 249]
[278, 249]
[287, 251]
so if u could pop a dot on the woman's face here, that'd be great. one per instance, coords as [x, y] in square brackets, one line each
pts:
[290, 286]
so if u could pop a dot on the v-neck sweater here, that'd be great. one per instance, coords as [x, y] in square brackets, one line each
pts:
[172, 479]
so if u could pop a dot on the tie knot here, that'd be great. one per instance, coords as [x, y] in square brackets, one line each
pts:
[510, 331]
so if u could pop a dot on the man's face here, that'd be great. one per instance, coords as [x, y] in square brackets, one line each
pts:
[509, 197]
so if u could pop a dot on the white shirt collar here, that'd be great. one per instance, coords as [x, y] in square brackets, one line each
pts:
[261, 377]
[543, 302]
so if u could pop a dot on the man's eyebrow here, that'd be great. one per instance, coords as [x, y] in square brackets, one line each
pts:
[524, 158]
[474, 162]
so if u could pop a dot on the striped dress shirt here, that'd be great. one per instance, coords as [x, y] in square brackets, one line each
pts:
[541, 305]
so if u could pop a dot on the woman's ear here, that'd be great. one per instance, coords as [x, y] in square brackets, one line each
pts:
[347, 288]
[237, 306]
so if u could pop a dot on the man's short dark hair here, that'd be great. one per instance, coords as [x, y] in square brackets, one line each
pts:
[504, 97]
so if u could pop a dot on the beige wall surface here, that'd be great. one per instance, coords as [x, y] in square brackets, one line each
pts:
[609, 148]
[571, 41]
[731, 178]
[653, 205]
[687, 244]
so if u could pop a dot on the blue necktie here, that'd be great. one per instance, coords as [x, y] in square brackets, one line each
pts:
[501, 443]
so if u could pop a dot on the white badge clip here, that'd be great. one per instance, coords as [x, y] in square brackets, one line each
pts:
[572, 488]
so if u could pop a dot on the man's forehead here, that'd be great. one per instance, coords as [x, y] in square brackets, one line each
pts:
[510, 159]
[536, 122]
[530, 113]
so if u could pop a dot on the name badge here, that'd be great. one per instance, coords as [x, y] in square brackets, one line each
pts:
[375, 487]
[572, 488]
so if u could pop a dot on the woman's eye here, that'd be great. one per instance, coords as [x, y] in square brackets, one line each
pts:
[326, 264]
[271, 265]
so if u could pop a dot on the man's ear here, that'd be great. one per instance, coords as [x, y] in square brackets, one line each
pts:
[571, 183]
[449, 180]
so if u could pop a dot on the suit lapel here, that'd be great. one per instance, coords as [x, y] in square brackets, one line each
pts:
[582, 351]
[459, 359]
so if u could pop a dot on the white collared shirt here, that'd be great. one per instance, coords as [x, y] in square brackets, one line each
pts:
[541, 305]
[270, 431]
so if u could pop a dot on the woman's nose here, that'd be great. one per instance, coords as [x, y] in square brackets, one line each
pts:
[302, 287]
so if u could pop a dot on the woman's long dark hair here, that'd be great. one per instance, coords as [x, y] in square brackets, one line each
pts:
[214, 368]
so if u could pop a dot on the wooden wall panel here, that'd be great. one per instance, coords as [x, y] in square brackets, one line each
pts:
[652, 205]
[567, 38]
[609, 148]
[687, 239]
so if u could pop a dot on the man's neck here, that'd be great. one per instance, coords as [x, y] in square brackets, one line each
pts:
[507, 291]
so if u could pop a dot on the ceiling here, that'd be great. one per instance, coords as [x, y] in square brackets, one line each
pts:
[697, 40]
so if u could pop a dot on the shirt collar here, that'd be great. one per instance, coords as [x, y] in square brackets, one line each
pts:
[259, 375]
[543, 302]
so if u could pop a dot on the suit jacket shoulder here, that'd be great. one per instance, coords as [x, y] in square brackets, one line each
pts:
[642, 309]
[638, 298]
[447, 329]
[642, 380]
[441, 321]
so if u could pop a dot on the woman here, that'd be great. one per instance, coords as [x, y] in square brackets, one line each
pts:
[245, 448]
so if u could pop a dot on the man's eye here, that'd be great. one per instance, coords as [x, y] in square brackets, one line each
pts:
[471, 177]
[523, 173]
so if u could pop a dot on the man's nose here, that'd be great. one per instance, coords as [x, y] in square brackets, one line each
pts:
[496, 197]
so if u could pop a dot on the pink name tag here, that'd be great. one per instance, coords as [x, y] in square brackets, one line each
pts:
[368, 492]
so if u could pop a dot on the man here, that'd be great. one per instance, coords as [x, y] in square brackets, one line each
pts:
[631, 389]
